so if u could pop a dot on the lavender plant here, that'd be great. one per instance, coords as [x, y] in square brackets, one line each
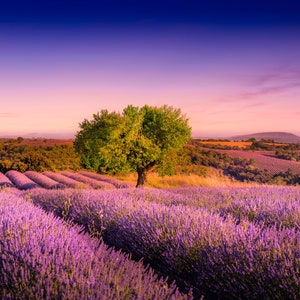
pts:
[66, 180]
[198, 248]
[43, 181]
[42, 257]
[5, 181]
[95, 183]
[117, 183]
[269, 206]
[21, 181]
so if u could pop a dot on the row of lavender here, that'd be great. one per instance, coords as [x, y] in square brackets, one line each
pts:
[52, 180]
[268, 206]
[197, 247]
[42, 257]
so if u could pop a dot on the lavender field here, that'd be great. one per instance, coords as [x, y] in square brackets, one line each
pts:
[61, 180]
[217, 243]
[264, 161]
[43, 257]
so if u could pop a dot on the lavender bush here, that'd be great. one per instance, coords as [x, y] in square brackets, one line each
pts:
[21, 181]
[4, 181]
[96, 184]
[66, 180]
[269, 206]
[42, 257]
[43, 181]
[117, 183]
[196, 247]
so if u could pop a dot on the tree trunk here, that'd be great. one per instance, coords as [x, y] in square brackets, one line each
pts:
[141, 177]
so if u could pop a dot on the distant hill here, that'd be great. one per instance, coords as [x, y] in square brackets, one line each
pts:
[279, 137]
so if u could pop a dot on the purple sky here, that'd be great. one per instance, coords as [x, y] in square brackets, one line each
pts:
[229, 73]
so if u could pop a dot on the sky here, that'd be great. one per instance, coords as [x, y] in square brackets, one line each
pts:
[232, 67]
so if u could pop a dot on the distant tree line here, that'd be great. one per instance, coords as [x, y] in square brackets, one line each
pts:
[37, 158]
[268, 145]
[287, 154]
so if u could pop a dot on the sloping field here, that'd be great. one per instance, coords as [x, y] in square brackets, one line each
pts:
[280, 137]
[264, 162]
[52, 180]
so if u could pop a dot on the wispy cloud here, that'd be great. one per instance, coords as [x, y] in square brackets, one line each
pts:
[273, 88]
[283, 72]
[277, 81]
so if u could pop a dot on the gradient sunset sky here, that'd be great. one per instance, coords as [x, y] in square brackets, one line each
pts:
[232, 67]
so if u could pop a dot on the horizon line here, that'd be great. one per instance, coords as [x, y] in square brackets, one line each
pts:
[69, 135]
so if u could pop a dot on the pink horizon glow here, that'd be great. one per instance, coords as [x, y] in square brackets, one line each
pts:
[225, 86]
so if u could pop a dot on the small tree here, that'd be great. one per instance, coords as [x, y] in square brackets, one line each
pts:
[20, 139]
[139, 140]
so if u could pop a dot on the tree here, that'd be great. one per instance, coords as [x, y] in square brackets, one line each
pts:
[20, 139]
[139, 140]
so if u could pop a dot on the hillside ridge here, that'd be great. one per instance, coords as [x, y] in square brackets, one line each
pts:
[279, 137]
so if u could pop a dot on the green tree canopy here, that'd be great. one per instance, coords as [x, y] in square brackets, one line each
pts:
[138, 140]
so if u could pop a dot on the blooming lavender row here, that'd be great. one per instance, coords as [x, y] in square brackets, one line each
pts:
[43, 180]
[197, 248]
[278, 206]
[20, 180]
[42, 257]
[117, 183]
[5, 181]
[96, 184]
[65, 180]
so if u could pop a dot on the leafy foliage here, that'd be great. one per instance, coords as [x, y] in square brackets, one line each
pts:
[288, 155]
[37, 158]
[137, 140]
